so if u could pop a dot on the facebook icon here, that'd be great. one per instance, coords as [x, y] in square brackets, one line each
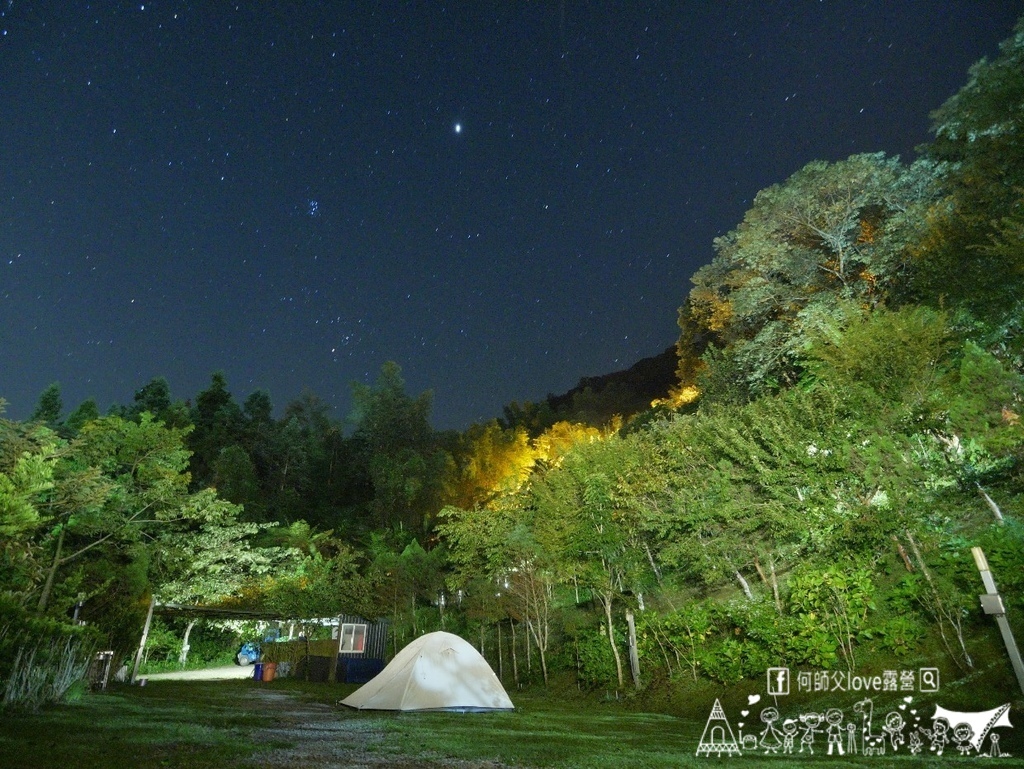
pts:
[778, 681]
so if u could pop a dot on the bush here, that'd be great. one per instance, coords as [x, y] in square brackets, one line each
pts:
[900, 635]
[50, 672]
[42, 660]
[595, 664]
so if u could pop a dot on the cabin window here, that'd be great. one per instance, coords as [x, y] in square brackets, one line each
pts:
[353, 639]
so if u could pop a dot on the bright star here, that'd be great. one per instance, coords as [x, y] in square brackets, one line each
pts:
[458, 128]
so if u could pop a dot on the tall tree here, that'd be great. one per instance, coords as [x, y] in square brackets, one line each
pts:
[50, 406]
[406, 464]
[218, 424]
[488, 462]
[85, 412]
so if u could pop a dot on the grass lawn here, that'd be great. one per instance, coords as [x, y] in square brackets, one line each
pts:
[169, 724]
[244, 724]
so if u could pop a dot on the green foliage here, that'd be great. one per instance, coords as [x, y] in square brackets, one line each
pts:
[900, 635]
[86, 412]
[405, 464]
[971, 257]
[831, 233]
[42, 660]
[895, 356]
[50, 406]
[594, 660]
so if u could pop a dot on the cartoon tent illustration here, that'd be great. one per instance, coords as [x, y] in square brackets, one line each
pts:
[981, 722]
[718, 737]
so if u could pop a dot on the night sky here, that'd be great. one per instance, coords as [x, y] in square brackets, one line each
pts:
[501, 197]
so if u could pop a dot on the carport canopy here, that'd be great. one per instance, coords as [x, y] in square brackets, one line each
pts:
[191, 611]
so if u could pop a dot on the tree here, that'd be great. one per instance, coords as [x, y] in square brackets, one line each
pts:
[832, 231]
[86, 412]
[583, 506]
[49, 407]
[979, 135]
[208, 556]
[406, 465]
[119, 479]
[497, 552]
[28, 455]
[235, 477]
[489, 462]
[218, 424]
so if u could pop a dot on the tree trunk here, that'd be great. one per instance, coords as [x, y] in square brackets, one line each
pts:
[654, 566]
[183, 657]
[501, 665]
[775, 585]
[515, 659]
[142, 643]
[606, 599]
[744, 585]
[51, 573]
[991, 504]
[634, 656]
[903, 553]
[529, 649]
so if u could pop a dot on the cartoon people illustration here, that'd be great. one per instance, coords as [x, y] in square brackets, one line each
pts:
[894, 728]
[834, 719]
[938, 736]
[812, 723]
[771, 738]
[788, 735]
[962, 736]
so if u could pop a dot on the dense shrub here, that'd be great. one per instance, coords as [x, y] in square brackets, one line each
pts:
[42, 661]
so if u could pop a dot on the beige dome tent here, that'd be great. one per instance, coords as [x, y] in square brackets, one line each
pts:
[437, 671]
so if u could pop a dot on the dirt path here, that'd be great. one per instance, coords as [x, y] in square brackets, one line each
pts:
[223, 673]
[323, 737]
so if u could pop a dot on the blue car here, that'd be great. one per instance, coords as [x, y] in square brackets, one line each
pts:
[248, 653]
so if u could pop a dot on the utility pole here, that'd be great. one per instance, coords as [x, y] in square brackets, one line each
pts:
[992, 603]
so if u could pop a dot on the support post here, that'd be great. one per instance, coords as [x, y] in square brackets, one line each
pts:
[332, 673]
[145, 637]
[992, 603]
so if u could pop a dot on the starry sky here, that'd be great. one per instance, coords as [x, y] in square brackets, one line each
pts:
[501, 197]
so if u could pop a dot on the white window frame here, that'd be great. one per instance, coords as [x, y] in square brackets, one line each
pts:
[348, 634]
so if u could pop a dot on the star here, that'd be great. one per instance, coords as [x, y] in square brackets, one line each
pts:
[457, 128]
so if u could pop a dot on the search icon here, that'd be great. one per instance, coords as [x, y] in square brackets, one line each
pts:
[929, 680]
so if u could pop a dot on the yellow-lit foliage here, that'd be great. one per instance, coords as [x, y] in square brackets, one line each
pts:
[491, 462]
[558, 439]
[712, 311]
[678, 397]
[868, 232]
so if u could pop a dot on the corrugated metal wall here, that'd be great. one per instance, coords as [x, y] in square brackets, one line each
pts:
[376, 635]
